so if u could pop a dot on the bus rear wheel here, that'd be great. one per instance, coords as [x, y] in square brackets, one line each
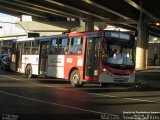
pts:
[28, 71]
[75, 79]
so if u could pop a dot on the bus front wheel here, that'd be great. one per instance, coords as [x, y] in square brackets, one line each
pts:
[75, 79]
[28, 71]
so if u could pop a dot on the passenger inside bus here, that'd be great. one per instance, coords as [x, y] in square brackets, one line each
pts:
[116, 57]
[79, 50]
[120, 58]
[66, 50]
[118, 53]
[126, 58]
[113, 59]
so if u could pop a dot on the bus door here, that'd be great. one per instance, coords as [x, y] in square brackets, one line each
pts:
[92, 58]
[19, 56]
[43, 57]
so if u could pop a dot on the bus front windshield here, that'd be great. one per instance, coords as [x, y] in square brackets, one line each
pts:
[118, 53]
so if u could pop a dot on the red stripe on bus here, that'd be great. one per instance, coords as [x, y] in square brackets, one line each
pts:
[91, 78]
[112, 70]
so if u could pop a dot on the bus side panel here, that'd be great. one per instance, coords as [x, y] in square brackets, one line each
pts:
[33, 60]
[55, 66]
[73, 61]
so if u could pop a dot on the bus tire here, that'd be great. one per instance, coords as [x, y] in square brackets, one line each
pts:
[75, 79]
[28, 71]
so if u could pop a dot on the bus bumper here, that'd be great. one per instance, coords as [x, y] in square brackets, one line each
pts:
[108, 77]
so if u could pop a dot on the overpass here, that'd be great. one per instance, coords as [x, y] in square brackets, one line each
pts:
[124, 13]
[139, 16]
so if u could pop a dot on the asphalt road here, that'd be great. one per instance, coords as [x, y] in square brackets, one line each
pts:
[50, 99]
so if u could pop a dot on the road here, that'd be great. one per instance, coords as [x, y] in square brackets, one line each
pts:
[47, 99]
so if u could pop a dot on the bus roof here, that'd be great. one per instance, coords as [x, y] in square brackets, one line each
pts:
[43, 38]
[96, 32]
[90, 33]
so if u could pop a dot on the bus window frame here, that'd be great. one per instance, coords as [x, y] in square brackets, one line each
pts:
[35, 52]
[55, 47]
[77, 48]
[62, 48]
[28, 47]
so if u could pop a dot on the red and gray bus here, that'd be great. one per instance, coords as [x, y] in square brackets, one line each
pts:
[78, 57]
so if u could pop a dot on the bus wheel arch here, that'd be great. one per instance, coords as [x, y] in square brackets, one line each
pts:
[28, 71]
[75, 78]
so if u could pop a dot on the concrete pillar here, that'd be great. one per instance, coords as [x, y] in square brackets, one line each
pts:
[88, 24]
[142, 45]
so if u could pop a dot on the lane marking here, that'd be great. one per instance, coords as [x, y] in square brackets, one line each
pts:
[26, 81]
[142, 100]
[134, 99]
[52, 103]
[111, 96]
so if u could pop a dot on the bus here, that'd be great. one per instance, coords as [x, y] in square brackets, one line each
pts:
[103, 56]
[27, 55]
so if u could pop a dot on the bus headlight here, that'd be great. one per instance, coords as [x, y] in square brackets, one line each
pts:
[104, 69]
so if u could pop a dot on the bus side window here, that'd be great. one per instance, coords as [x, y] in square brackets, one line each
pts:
[76, 45]
[79, 49]
[54, 46]
[63, 46]
[34, 48]
[52, 50]
[27, 51]
[27, 48]
[35, 51]
[14, 48]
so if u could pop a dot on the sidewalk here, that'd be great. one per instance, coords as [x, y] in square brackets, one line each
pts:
[149, 69]
[149, 77]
